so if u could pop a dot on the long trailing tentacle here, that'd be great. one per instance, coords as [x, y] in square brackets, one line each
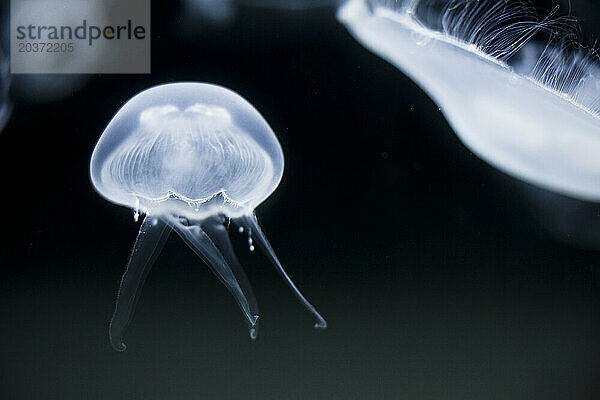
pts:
[261, 240]
[149, 242]
[217, 232]
[195, 237]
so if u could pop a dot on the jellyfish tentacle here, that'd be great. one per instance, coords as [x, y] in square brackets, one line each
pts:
[261, 240]
[197, 239]
[150, 241]
[217, 232]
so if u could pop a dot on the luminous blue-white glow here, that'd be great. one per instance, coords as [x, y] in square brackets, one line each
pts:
[536, 117]
[189, 156]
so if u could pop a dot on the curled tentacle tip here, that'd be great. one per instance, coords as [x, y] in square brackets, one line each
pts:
[254, 327]
[253, 333]
[321, 325]
[120, 346]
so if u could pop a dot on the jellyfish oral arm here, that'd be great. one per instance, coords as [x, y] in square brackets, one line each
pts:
[208, 238]
[150, 240]
[217, 232]
[204, 247]
[252, 224]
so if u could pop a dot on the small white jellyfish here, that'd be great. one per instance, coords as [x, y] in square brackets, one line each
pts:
[530, 110]
[188, 156]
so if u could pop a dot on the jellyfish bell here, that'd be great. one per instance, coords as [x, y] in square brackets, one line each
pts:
[188, 156]
[187, 152]
[537, 120]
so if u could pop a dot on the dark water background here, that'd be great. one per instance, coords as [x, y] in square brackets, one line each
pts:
[440, 277]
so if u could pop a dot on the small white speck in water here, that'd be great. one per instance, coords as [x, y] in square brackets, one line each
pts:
[136, 211]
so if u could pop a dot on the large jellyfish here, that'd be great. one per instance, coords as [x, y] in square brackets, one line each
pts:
[189, 156]
[531, 110]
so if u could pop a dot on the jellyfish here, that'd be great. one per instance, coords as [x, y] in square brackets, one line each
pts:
[5, 103]
[53, 76]
[5, 80]
[221, 13]
[292, 5]
[218, 12]
[529, 108]
[190, 156]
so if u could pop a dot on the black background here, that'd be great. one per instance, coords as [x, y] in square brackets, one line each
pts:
[440, 277]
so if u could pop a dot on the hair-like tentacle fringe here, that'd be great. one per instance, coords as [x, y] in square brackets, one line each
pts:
[545, 49]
